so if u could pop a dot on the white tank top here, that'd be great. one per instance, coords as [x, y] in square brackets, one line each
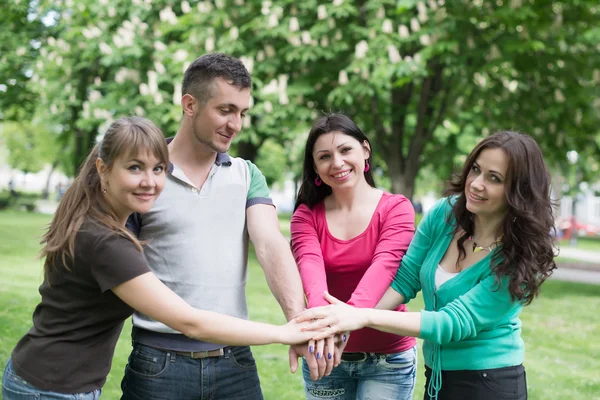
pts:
[442, 276]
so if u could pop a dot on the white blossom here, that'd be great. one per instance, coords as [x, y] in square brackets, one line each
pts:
[177, 93]
[139, 111]
[204, 7]
[273, 21]
[234, 33]
[403, 31]
[94, 96]
[248, 63]
[260, 56]
[21, 51]
[209, 44]
[422, 9]
[294, 25]
[324, 41]
[322, 12]
[380, 13]
[343, 78]
[270, 88]
[387, 26]
[425, 40]
[97, 81]
[294, 41]
[306, 37]
[180, 55]
[265, 8]
[270, 51]
[144, 89]
[167, 15]
[105, 49]
[559, 96]
[394, 54]
[219, 3]
[159, 46]
[338, 2]
[158, 99]
[160, 68]
[361, 49]
[185, 7]
[268, 106]
[414, 25]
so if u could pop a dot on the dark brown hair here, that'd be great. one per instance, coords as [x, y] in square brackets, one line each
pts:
[200, 76]
[527, 253]
[309, 193]
[83, 199]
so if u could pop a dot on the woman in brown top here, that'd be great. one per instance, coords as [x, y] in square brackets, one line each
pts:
[95, 275]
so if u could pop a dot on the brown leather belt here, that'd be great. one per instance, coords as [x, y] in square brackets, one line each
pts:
[202, 354]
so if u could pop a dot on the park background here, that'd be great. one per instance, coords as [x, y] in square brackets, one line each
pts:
[425, 80]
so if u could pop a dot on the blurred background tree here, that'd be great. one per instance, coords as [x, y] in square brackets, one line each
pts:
[424, 79]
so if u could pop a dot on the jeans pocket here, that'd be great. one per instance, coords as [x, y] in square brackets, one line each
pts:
[242, 357]
[405, 359]
[148, 362]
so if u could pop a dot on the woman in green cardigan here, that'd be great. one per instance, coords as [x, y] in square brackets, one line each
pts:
[479, 256]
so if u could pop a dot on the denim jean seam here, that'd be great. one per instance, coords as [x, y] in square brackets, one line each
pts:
[244, 367]
[147, 376]
[34, 395]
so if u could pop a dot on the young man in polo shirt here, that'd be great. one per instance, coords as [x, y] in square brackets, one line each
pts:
[197, 244]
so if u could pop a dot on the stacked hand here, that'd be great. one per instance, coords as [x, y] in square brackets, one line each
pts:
[329, 327]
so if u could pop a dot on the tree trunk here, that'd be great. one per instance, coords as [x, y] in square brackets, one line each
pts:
[46, 190]
[403, 181]
[247, 150]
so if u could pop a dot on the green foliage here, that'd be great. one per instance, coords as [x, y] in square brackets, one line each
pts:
[424, 79]
[30, 145]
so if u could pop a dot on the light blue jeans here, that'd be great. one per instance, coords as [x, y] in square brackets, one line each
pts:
[378, 377]
[16, 388]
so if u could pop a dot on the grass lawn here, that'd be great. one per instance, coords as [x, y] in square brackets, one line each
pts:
[560, 328]
[584, 243]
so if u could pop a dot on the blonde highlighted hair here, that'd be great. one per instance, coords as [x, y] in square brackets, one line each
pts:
[125, 137]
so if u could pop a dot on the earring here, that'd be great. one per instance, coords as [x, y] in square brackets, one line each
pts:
[104, 190]
[367, 166]
[318, 181]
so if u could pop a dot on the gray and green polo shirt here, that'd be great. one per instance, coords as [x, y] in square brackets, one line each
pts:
[197, 244]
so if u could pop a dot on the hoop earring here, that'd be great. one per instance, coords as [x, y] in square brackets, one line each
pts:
[318, 181]
[367, 166]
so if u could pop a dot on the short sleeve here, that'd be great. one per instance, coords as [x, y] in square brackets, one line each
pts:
[258, 192]
[116, 260]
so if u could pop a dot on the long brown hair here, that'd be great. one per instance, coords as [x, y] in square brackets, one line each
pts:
[84, 199]
[527, 253]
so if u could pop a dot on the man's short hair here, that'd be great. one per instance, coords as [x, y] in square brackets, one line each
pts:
[200, 75]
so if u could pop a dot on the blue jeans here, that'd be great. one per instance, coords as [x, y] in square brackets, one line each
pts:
[153, 374]
[15, 388]
[378, 377]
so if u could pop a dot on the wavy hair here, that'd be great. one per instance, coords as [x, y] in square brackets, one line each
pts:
[125, 137]
[527, 253]
[309, 193]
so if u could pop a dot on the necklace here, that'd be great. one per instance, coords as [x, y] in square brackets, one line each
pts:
[477, 248]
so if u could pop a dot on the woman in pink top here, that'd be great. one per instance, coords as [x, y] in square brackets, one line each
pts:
[348, 238]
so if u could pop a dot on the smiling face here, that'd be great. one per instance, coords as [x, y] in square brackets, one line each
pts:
[340, 159]
[132, 183]
[485, 186]
[217, 122]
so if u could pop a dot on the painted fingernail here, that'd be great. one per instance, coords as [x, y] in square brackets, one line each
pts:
[310, 349]
[329, 356]
[318, 356]
[344, 338]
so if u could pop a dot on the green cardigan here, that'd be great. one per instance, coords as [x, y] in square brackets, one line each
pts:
[470, 322]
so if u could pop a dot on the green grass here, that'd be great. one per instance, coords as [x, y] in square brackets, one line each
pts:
[583, 243]
[560, 328]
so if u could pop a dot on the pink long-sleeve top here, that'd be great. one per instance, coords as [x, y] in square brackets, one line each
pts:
[357, 271]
